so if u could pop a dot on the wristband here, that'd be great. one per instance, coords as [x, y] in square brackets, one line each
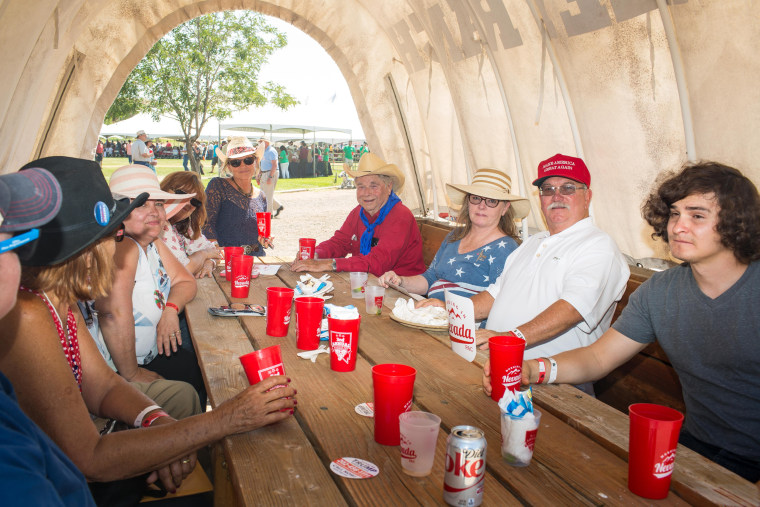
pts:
[541, 370]
[152, 417]
[519, 334]
[213, 261]
[141, 415]
[553, 374]
[171, 305]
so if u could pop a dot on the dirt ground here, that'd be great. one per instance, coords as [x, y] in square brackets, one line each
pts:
[309, 214]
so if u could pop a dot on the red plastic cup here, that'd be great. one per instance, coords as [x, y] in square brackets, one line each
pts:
[344, 343]
[241, 275]
[229, 251]
[506, 355]
[308, 322]
[262, 363]
[264, 223]
[279, 301]
[652, 443]
[393, 387]
[306, 247]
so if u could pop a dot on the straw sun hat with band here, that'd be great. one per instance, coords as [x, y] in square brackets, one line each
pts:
[238, 147]
[88, 211]
[491, 184]
[372, 164]
[132, 180]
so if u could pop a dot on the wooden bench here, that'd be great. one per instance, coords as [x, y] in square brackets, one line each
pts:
[648, 377]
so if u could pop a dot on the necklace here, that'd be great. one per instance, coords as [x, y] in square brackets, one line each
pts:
[247, 194]
[69, 341]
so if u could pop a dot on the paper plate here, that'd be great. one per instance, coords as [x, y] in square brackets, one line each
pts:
[416, 325]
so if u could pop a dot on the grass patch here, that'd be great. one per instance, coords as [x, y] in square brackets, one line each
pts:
[168, 165]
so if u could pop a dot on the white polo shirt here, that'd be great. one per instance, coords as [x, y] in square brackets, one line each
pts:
[581, 265]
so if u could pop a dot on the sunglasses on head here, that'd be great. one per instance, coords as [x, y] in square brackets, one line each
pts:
[195, 203]
[235, 162]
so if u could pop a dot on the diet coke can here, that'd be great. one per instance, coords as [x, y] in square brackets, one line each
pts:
[465, 475]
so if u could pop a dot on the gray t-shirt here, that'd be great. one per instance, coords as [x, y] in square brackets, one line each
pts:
[713, 345]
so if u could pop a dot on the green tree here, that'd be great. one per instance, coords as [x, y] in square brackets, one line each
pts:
[206, 67]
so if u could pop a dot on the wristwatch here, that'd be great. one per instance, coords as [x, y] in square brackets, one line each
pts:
[334, 265]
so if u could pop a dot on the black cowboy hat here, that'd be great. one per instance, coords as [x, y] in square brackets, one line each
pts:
[88, 211]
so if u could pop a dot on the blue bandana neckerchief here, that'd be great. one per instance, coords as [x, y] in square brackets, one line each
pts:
[366, 241]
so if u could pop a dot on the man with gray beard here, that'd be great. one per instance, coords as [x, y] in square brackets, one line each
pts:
[559, 289]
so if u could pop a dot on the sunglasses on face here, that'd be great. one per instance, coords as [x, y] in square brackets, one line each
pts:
[235, 162]
[19, 240]
[476, 200]
[566, 189]
[195, 203]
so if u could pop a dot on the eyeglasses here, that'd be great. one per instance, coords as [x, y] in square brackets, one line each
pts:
[235, 162]
[20, 240]
[195, 203]
[476, 199]
[566, 189]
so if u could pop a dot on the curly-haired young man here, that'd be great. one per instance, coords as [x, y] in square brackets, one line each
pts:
[704, 314]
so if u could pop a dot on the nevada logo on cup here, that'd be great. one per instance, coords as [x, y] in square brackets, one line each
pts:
[262, 225]
[664, 467]
[271, 371]
[340, 343]
[406, 449]
[286, 317]
[512, 377]
[461, 325]
[304, 253]
[241, 282]
[530, 439]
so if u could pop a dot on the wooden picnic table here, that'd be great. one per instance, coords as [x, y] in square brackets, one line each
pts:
[580, 452]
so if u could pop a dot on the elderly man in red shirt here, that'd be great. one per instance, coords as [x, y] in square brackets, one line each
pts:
[380, 234]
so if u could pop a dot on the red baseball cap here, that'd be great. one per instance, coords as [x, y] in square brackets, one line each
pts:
[565, 167]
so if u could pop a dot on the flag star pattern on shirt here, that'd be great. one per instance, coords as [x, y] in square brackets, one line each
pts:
[466, 273]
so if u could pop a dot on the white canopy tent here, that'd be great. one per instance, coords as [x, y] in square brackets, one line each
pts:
[442, 87]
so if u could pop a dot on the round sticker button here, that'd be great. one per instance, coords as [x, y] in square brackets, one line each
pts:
[365, 409]
[102, 214]
[354, 468]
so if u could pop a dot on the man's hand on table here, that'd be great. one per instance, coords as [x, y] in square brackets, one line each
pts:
[312, 265]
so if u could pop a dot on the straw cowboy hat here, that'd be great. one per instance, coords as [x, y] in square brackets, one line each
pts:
[491, 184]
[372, 164]
[238, 147]
[84, 216]
[132, 180]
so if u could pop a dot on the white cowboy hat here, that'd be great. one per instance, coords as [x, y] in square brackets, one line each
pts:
[491, 184]
[372, 164]
[132, 180]
[238, 147]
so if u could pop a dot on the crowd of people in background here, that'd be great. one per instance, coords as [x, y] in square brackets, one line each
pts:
[294, 159]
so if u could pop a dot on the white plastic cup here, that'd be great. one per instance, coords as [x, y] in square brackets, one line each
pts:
[518, 436]
[373, 298]
[358, 283]
[419, 436]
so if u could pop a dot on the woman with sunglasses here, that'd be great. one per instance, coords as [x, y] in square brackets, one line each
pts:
[138, 328]
[182, 232]
[60, 376]
[473, 254]
[232, 203]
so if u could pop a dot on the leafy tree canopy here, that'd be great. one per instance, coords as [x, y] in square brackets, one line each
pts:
[206, 67]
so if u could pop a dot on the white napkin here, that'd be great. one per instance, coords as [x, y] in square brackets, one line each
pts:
[310, 286]
[312, 354]
[343, 312]
[428, 315]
